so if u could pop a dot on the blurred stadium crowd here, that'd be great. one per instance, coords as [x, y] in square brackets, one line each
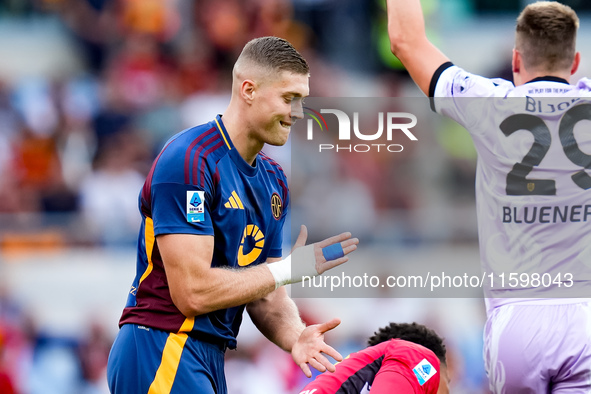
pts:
[81, 124]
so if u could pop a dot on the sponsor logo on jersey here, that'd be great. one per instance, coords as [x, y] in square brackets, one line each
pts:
[251, 245]
[276, 206]
[424, 371]
[234, 201]
[195, 208]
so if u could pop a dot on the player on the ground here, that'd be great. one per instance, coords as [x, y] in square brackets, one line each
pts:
[401, 358]
[213, 208]
[533, 192]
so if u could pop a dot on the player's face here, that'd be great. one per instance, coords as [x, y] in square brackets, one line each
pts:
[443, 380]
[278, 105]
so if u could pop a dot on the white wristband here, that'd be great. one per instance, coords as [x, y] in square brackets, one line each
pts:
[302, 262]
[281, 271]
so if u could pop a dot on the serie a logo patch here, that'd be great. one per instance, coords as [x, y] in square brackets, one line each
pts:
[424, 371]
[195, 208]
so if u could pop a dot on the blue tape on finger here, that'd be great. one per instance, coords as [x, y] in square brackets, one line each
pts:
[333, 252]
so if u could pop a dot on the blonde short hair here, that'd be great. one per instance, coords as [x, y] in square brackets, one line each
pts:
[546, 35]
[274, 54]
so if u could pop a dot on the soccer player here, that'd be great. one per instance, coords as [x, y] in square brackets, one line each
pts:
[533, 192]
[401, 358]
[213, 207]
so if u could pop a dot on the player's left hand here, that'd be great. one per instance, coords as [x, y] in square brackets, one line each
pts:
[310, 348]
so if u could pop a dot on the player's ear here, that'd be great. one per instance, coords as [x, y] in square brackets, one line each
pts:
[247, 90]
[517, 67]
[576, 62]
[516, 61]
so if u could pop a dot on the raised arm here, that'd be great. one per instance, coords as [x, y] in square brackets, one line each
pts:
[409, 43]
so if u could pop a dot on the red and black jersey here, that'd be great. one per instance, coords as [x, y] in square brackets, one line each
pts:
[394, 366]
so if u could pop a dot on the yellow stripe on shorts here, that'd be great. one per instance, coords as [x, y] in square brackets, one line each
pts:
[171, 357]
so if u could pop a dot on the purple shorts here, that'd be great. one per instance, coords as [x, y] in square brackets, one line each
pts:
[536, 348]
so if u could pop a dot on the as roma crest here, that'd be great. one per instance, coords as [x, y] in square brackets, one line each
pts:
[276, 206]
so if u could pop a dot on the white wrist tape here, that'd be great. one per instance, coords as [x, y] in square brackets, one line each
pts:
[302, 262]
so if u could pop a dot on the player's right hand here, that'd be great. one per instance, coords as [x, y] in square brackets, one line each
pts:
[310, 348]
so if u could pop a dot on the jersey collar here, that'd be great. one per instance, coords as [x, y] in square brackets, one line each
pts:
[549, 78]
[236, 158]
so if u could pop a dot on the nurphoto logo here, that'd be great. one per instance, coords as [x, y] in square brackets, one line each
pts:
[390, 124]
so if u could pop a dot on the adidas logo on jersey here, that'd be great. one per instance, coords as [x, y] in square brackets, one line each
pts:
[234, 201]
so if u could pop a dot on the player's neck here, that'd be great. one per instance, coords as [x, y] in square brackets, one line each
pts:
[525, 77]
[248, 148]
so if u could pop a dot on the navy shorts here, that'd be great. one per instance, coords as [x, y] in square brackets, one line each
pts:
[145, 360]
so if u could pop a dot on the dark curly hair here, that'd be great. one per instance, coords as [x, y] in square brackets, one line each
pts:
[412, 332]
